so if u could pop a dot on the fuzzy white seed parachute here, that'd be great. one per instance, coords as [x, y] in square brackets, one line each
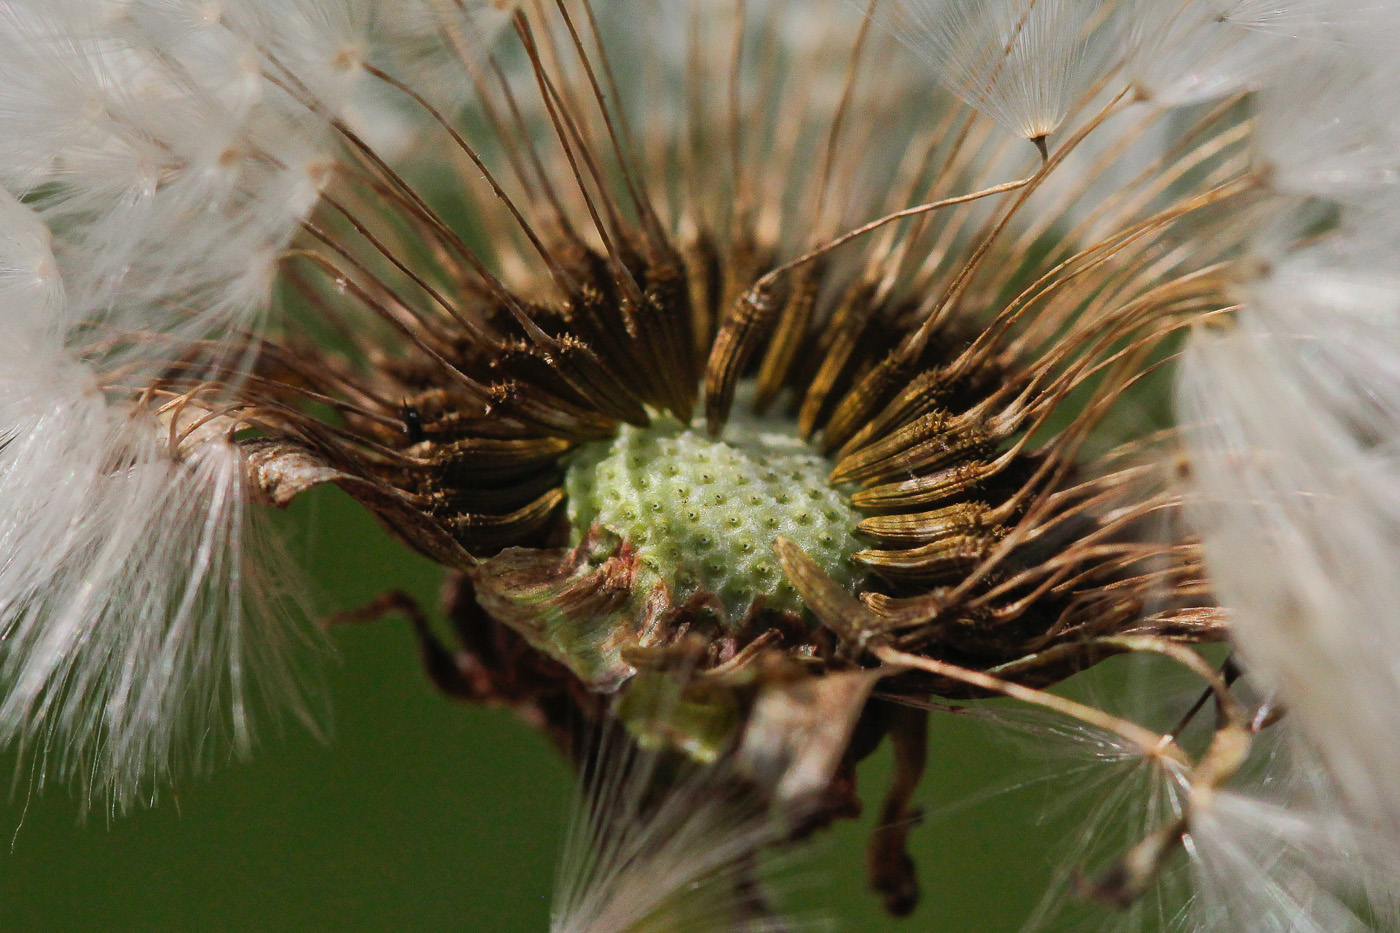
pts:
[653, 850]
[140, 633]
[1022, 62]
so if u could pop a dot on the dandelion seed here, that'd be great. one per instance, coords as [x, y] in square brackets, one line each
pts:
[1021, 63]
[652, 850]
[141, 635]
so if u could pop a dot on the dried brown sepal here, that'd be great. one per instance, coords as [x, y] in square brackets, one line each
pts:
[932, 442]
[791, 329]
[798, 731]
[834, 607]
[281, 470]
[917, 491]
[583, 606]
[489, 663]
[839, 344]
[495, 531]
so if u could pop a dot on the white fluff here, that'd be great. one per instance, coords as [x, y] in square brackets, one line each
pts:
[1263, 866]
[1296, 453]
[152, 137]
[1360, 21]
[31, 288]
[137, 638]
[1185, 52]
[1326, 124]
[173, 148]
[1022, 62]
[648, 851]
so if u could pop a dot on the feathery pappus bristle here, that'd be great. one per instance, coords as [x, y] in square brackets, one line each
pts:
[1298, 501]
[1023, 64]
[657, 844]
[144, 624]
[141, 641]
[1262, 865]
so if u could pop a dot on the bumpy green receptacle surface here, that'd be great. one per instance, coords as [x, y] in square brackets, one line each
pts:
[703, 513]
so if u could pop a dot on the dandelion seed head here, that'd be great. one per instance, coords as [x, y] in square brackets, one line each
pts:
[745, 376]
[664, 298]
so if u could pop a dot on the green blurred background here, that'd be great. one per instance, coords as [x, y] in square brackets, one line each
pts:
[423, 814]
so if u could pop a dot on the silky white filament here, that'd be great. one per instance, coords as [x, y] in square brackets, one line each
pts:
[1321, 130]
[1263, 866]
[139, 635]
[1022, 62]
[1292, 415]
[1183, 51]
[648, 851]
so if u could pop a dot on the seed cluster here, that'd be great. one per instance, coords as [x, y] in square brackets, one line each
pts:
[942, 379]
[703, 513]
